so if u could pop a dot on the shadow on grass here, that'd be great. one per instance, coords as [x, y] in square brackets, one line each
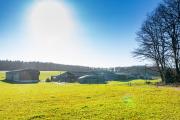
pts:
[93, 83]
[16, 82]
[128, 80]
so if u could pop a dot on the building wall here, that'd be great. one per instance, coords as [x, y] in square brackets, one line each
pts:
[16, 76]
[22, 75]
[9, 76]
[25, 75]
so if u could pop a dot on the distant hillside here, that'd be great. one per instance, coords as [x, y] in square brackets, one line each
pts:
[7, 65]
[138, 70]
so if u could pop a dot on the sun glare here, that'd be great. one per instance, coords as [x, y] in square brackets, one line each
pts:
[51, 30]
[50, 21]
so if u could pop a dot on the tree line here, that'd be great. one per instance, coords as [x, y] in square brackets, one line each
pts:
[159, 40]
[7, 65]
[138, 70]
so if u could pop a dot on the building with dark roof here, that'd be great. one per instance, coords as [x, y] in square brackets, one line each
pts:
[23, 76]
[64, 77]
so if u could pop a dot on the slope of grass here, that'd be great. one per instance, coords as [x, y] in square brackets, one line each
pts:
[47, 74]
[75, 101]
[134, 82]
[2, 75]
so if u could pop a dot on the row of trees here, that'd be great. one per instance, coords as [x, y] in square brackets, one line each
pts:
[159, 40]
[15, 65]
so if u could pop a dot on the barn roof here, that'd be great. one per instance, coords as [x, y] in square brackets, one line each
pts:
[85, 76]
[23, 70]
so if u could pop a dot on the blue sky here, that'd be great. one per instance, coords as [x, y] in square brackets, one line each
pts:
[98, 33]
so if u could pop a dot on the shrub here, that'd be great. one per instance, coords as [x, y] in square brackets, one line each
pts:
[48, 80]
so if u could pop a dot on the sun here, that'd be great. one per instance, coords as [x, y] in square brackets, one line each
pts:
[50, 20]
[53, 33]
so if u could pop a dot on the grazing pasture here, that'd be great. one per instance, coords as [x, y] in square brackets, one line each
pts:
[112, 101]
[47, 74]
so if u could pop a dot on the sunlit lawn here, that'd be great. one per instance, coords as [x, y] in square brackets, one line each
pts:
[112, 101]
[47, 74]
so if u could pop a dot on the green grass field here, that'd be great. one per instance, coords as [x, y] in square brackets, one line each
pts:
[112, 101]
[47, 74]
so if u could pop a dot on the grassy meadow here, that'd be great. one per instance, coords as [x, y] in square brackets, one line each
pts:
[47, 74]
[112, 101]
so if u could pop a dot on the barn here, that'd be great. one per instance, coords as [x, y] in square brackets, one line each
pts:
[64, 77]
[23, 76]
[91, 79]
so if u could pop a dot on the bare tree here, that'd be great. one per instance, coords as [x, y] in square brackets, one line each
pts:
[159, 38]
[152, 43]
[170, 15]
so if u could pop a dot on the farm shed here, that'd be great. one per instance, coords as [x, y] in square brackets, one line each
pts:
[91, 79]
[82, 73]
[23, 76]
[64, 77]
